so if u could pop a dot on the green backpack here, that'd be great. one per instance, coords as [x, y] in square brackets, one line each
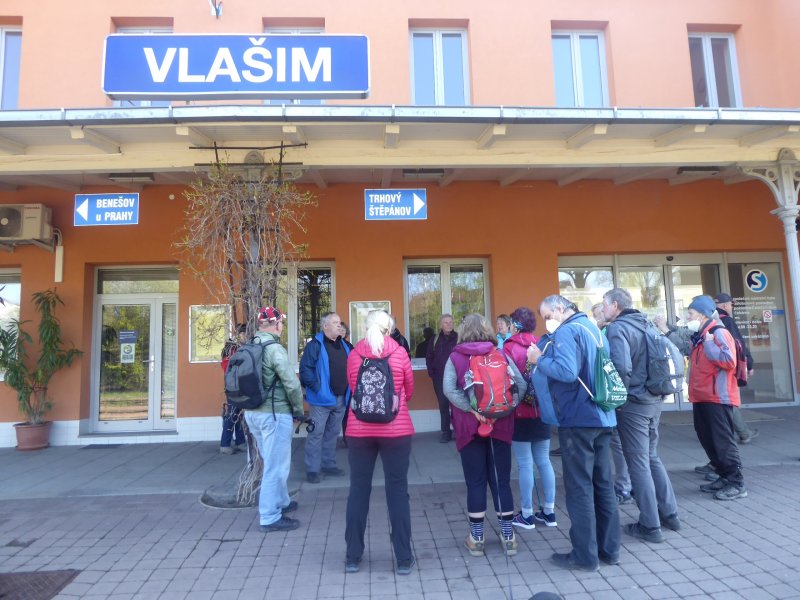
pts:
[610, 392]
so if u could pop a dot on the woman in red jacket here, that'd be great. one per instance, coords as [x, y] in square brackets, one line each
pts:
[392, 440]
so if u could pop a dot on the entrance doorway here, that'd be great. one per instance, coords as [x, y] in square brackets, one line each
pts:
[135, 350]
[665, 285]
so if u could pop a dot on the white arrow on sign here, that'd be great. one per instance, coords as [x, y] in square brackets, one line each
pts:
[419, 204]
[83, 210]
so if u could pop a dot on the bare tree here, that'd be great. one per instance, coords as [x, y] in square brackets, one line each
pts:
[238, 238]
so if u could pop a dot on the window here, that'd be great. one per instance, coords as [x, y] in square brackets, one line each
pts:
[432, 288]
[140, 31]
[10, 291]
[294, 31]
[714, 75]
[439, 67]
[307, 292]
[10, 54]
[579, 65]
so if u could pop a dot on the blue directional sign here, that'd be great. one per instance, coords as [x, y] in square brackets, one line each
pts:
[395, 205]
[160, 67]
[106, 209]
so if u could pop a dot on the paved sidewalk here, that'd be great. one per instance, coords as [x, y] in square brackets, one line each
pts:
[129, 518]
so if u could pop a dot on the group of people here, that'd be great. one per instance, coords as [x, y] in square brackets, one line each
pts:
[562, 365]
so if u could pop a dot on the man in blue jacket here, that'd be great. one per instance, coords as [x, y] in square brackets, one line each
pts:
[323, 373]
[584, 435]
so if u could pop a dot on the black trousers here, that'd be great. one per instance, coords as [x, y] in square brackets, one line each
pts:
[487, 461]
[714, 426]
[395, 455]
[444, 403]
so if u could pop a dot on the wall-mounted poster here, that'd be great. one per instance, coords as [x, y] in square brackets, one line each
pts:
[358, 316]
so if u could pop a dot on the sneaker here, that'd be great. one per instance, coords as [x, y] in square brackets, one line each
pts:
[509, 544]
[623, 498]
[671, 522]
[731, 492]
[704, 469]
[749, 438]
[291, 507]
[333, 471]
[241, 447]
[545, 519]
[352, 565]
[711, 476]
[404, 566]
[565, 562]
[282, 524]
[717, 485]
[474, 546]
[522, 521]
[226, 450]
[556, 452]
[609, 560]
[313, 478]
[647, 534]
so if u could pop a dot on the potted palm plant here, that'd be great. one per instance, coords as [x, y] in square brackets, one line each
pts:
[28, 370]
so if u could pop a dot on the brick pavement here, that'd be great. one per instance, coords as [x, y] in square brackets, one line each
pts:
[130, 520]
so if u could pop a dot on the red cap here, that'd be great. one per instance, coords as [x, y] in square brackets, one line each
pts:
[271, 314]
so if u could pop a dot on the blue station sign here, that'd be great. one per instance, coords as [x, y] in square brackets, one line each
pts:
[395, 205]
[106, 209]
[166, 66]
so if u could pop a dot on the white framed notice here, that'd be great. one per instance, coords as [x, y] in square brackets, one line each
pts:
[358, 316]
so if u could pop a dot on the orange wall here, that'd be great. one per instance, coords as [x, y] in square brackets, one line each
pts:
[509, 46]
[521, 229]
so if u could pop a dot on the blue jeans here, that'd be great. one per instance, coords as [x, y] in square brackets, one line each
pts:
[638, 429]
[321, 443]
[231, 426]
[590, 500]
[527, 453]
[273, 435]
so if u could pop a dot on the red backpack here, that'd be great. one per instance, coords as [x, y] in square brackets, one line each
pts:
[490, 385]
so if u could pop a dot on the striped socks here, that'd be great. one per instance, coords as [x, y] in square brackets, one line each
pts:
[476, 527]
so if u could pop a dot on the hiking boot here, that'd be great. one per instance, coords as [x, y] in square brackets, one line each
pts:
[717, 485]
[282, 524]
[313, 478]
[289, 508]
[509, 544]
[474, 546]
[647, 534]
[711, 477]
[623, 498]
[731, 492]
[671, 522]
[226, 450]
[404, 566]
[333, 471]
[704, 469]
[351, 565]
[565, 562]
[545, 519]
[748, 438]
[522, 521]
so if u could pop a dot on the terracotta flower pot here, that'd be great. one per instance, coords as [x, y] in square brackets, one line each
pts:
[33, 437]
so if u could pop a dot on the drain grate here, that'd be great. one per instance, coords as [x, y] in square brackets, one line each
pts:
[39, 585]
[101, 446]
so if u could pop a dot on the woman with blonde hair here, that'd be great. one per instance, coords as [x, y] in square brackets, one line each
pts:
[366, 438]
[485, 452]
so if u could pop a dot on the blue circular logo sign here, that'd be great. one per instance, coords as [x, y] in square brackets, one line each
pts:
[756, 280]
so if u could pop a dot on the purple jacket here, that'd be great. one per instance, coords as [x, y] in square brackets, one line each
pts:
[438, 353]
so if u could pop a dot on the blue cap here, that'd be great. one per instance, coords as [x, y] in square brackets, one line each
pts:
[704, 305]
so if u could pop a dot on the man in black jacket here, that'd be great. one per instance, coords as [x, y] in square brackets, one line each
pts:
[725, 309]
[638, 418]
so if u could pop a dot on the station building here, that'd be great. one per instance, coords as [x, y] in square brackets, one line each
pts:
[553, 147]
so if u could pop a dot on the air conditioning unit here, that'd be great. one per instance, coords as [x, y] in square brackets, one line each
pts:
[25, 222]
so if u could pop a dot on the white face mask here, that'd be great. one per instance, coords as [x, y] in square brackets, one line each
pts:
[693, 326]
[551, 325]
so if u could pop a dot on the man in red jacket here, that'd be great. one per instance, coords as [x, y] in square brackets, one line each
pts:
[713, 392]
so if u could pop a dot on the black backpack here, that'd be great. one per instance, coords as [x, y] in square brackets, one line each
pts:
[665, 365]
[373, 397]
[243, 380]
